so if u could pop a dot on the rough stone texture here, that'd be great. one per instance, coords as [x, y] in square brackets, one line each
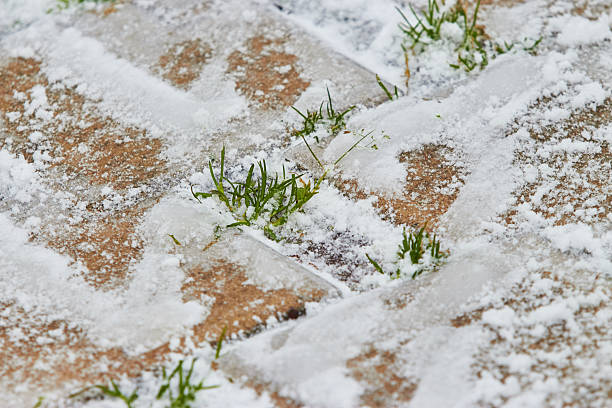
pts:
[115, 173]
[108, 176]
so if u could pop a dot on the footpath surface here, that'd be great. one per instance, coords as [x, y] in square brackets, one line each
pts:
[110, 268]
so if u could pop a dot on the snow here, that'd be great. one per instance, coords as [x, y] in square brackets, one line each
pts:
[18, 179]
[521, 282]
[553, 313]
[577, 30]
[124, 86]
[501, 317]
[42, 281]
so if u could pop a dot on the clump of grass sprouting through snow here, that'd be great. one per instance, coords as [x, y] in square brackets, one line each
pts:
[185, 390]
[333, 119]
[113, 391]
[475, 46]
[427, 29]
[273, 198]
[417, 247]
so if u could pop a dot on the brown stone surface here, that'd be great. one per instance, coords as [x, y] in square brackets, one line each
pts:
[378, 373]
[567, 200]
[591, 9]
[53, 354]
[107, 245]
[238, 305]
[431, 186]
[76, 362]
[278, 400]
[585, 341]
[84, 142]
[183, 62]
[86, 147]
[266, 74]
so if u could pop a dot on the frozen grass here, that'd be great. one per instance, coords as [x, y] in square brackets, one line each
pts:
[473, 50]
[185, 390]
[390, 95]
[273, 198]
[333, 120]
[418, 247]
[267, 201]
[178, 386]
[115, 392]
[427, 29]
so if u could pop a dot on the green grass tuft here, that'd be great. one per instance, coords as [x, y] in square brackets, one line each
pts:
[390, 95]
[378, 268]
[475, 47]
[220, 343]
[472, 50]
[178, 385]
[176, 241]
[272, 198]
[414, 246]
[332, 119]
[263, 195]
[185, 391]
[115, 392]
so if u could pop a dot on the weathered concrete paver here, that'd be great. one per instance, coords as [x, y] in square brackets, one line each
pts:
[415, 349]
[104, 174]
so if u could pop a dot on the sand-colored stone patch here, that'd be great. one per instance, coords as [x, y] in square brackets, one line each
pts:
[278, 400]
[183, 62]
[266, 74]
[378, 373]
[107, 246]
[55, 124]
[568, 184]
[236, 304]
[591, 9]
[432, 185]
[47, 355]
[503, 3]
[554, 348]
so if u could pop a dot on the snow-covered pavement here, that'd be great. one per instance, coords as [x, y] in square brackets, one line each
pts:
[111, 268]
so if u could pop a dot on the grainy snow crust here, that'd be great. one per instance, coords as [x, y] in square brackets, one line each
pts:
[519, 313]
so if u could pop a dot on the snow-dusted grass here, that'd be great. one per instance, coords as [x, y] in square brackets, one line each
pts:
[267, 200]
[486, 120]
[423, 254]
[185, 390]
[390, 95]
[331, 120]
[272, 198]
[450, 23]
[176, 386]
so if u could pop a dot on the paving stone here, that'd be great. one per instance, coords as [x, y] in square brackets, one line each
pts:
[104, 170]
[170, 83]
[359, 339]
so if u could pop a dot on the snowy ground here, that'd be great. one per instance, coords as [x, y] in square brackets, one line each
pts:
[110, 112]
